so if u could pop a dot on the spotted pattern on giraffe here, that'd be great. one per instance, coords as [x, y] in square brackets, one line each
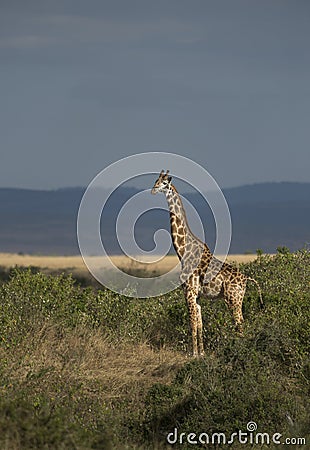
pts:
[201, 273]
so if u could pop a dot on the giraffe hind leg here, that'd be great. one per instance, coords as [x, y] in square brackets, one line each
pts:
[199, 331]
[238, 318]
[234, 298]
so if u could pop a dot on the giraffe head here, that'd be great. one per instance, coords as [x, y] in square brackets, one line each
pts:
[162, 183]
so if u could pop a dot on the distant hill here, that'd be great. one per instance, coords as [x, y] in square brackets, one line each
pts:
[264, 216]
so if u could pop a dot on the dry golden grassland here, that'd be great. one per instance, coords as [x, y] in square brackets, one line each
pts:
[76, 265]
[89, 356]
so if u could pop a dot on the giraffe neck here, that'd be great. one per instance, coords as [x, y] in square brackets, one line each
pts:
[180, 230]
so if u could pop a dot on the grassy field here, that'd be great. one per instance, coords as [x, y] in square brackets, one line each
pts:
[85, 368]
[76, 266]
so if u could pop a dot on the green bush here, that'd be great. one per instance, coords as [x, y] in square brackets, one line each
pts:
[222, 393]
[29, 421]
[262, 376]
[285, 282]
[29, 299]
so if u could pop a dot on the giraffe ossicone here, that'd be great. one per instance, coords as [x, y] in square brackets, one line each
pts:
[201, 272]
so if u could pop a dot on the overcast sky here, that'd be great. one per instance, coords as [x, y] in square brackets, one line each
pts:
[84, 83]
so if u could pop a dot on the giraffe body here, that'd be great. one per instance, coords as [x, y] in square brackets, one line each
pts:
[201, 273]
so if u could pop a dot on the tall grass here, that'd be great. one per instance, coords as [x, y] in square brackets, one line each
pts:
[83, 369]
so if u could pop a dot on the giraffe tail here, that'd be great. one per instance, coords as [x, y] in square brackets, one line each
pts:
[259, 291]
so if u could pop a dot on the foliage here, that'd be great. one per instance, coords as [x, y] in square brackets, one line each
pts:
[88, 369]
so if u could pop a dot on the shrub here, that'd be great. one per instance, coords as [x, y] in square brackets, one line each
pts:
[29, 299]
[262, 377]
[58, 403]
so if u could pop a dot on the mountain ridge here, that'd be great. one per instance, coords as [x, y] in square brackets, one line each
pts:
[264, 215]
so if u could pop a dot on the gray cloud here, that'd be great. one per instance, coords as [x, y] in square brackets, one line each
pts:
[85, 83]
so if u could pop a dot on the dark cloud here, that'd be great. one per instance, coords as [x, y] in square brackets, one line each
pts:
[85, 83]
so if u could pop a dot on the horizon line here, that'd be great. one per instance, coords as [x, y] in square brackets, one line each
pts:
[64, 188]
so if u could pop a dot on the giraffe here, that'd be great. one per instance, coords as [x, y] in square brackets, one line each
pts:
[201, 273]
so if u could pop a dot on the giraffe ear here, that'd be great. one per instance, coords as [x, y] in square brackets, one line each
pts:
[169, 179]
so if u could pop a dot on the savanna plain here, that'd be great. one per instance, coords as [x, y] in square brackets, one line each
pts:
[83, 367]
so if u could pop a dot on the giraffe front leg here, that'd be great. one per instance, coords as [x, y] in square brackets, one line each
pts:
[192, 309]
[191, 292]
